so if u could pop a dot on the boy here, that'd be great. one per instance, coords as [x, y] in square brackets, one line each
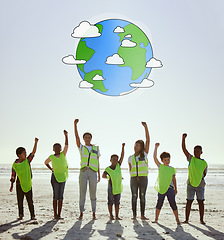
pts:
[89, 169]
[166, 184]
[114, 184]
[22, 169]
[59, 175]
[197, 170]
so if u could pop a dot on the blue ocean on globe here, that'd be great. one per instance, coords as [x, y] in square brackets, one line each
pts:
[96, 50]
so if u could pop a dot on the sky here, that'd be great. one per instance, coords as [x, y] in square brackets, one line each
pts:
[40, 96]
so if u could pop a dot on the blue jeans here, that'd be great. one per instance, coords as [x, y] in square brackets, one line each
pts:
[138, 184]
[58, 188]
[171, 198]
[113, 199]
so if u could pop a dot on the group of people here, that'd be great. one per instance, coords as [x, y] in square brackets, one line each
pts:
[90, 173]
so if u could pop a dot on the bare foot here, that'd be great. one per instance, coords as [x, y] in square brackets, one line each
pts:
[144, 218]
[20, 218]
[111, 217]
[80, 216]
[178, 222]
[156, 221]
[33, 218]
[94, 216]
[202, 222]
[133, 218]
[60, 218]
[117, 218]
[185, 222]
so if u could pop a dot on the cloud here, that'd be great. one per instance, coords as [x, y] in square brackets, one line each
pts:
[72, 61]
[154, 63]
[85, 30]
[115, 59]
[128, 36]
[97, 77]
[85, 84]
[145, 83]
[128, 43]
[118, 30]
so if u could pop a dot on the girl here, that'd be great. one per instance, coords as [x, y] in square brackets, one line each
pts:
[88, 172]
[138, 167]
[59, 175]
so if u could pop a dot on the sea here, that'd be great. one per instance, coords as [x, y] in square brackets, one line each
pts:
[214, 177]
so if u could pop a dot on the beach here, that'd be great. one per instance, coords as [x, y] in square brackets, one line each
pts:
[102, 228]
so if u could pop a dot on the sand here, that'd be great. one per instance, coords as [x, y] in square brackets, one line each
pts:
[102, 228]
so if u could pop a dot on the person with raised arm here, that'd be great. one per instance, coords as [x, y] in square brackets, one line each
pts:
[138, 168]
[166, 183]
[115, 187]
[22, 174]
[88, 171]
[59, 175]
[197, 170]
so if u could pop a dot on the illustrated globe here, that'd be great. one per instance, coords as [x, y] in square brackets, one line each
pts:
[116, 58]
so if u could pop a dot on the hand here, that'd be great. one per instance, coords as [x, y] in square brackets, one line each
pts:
[123, 144]
[184, 135]
[11, 188]
[76, 121]
[98, 178]
[175, 191]
[144, 124]
[36, 140]
[157, 145]
[65, 132]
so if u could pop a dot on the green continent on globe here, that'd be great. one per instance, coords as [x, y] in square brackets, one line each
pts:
[97, 84]
[83, 53]
[134, 57]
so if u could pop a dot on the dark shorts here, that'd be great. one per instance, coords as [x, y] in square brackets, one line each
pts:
[58, 188]
[113, 199]
[171, 198]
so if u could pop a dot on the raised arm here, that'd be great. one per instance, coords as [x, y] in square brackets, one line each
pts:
[155, 155]
[184, 145]
[76, 133]
[122, 154]
[35, 146]
[66, 142]
[147, 137]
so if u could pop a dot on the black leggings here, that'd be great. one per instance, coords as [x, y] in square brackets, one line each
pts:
[29, 197]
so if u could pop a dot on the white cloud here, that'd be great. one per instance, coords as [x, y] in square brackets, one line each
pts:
[115, 59]
[154, 63]
[72, 61]
[85, 29]
[85, 84]
[145, 83]
[128, 36]
[97, 77]
[118, 30]
[128, 43]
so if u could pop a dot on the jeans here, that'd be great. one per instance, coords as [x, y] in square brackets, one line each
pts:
[87, 174]
[171, 198]
[113, 199]
[58, 188]
[138, 183]
[29, 197]
[200, 192]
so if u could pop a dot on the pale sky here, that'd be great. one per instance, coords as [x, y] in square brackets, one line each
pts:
[40, 95]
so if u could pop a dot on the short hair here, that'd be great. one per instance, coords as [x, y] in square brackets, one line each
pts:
[56, 144]
[87, 133]
[19, 151]
[164, 155]
[198, 147]
[114, 155]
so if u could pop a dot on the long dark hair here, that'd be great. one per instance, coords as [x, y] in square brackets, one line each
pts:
[142, 144]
